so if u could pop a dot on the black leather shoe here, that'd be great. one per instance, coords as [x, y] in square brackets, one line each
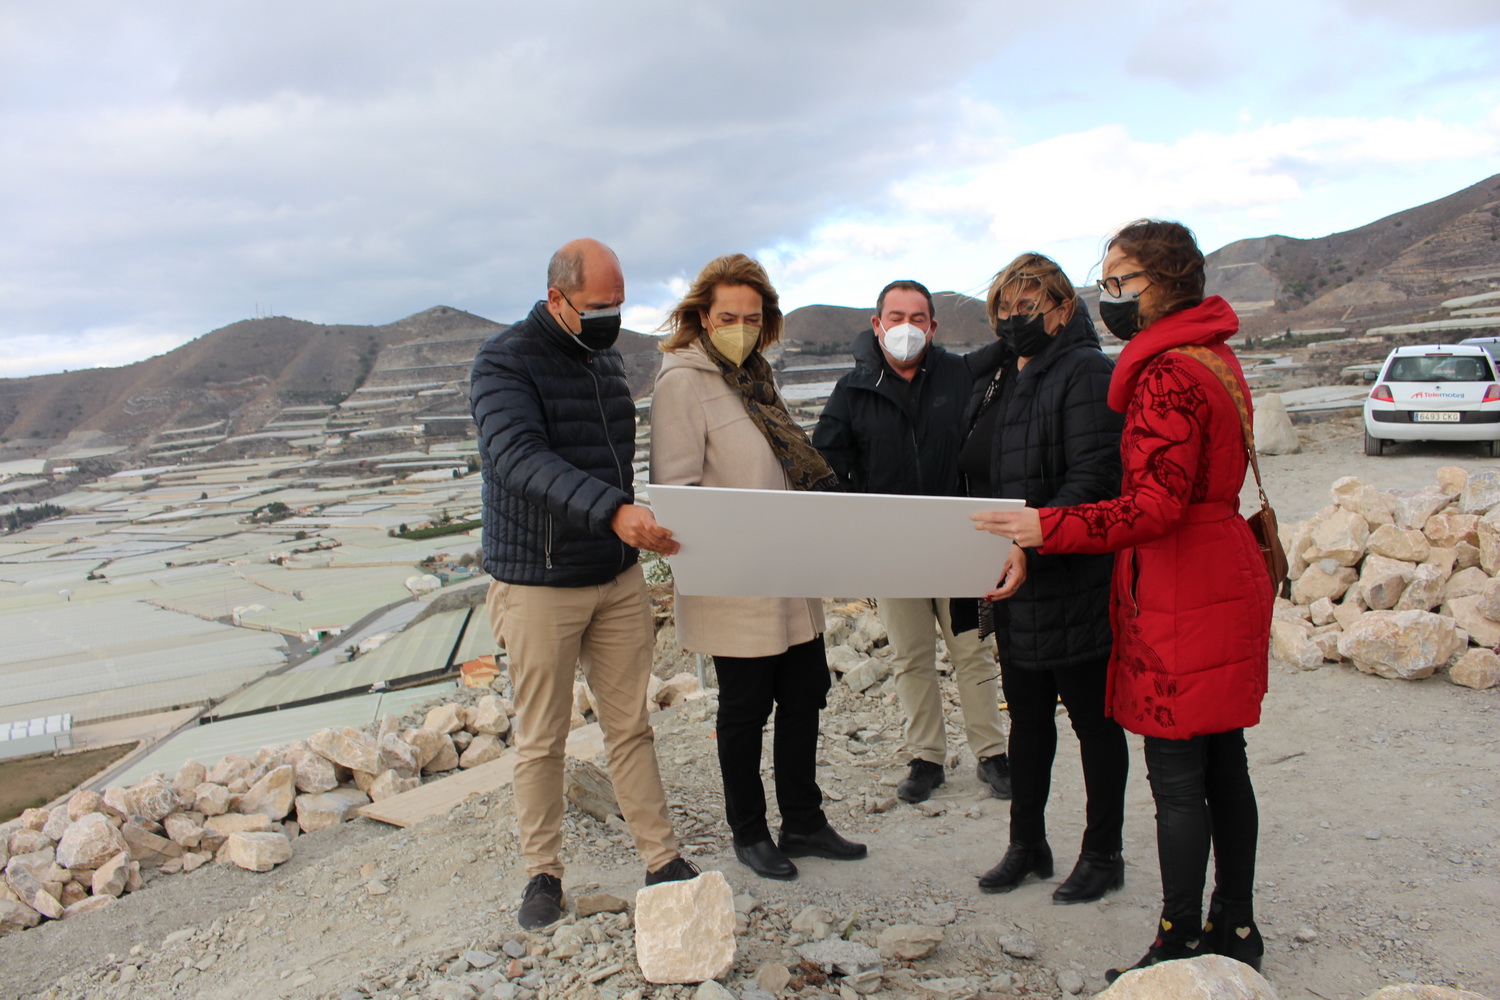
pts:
[995, 773]
[541, 902]
[826, 843]
[1020, 860]
[919, 782]
[1092, 877]
[679, 869]
[766, 860]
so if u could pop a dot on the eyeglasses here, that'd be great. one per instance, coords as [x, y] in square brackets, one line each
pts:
[1112, 286]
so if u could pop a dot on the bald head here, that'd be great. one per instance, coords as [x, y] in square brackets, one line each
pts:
[584, 275]
[568, 268]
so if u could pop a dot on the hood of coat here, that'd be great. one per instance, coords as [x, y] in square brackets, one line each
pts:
[692, 356]
[1210, 322]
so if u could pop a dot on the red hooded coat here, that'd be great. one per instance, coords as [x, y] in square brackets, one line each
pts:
[1191, 602]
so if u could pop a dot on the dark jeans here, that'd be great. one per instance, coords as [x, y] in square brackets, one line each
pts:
[796, 682]
[1203, 795]
[1032, 696]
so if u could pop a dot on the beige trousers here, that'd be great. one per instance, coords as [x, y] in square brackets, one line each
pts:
[548, 632]
[909, 625]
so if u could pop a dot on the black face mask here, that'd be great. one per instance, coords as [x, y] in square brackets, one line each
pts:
[598, 329]
[1122, 317]
[1026, 335]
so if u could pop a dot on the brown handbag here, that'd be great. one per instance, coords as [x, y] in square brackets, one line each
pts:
[1263, 522]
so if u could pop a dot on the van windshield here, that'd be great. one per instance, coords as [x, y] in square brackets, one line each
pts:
[1440, 368]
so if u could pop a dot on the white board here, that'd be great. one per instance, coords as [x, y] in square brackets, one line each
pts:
[786, 543]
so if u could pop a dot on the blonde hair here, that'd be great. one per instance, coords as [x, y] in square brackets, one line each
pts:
[1031, 270]
[685, 324]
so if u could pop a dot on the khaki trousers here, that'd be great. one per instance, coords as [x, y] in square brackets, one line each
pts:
[548, 632]
[909, 625]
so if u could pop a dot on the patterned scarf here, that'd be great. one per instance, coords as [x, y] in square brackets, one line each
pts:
[805, 467]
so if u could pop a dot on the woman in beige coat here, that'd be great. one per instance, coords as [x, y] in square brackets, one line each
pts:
[718, 420]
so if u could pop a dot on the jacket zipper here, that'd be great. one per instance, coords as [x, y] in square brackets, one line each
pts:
[547, 546]
[604, 422]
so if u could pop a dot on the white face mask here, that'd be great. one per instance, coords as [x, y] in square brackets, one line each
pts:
[904, 341]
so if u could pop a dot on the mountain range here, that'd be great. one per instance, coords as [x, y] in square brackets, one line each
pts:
[241, 376]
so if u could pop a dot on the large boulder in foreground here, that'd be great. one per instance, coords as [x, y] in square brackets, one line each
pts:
[1401, 644]
[684, 931]
[1207, 977]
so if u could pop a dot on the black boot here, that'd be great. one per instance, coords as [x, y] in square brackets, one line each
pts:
[1230, 931]
[1172, 942]
[1093, 876]
[1020, 860]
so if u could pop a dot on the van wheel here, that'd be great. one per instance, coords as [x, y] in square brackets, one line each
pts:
[1376, 446]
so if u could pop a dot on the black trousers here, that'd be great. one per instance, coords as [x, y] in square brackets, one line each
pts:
[796, 683]
[1203, 797]
[1032, 696]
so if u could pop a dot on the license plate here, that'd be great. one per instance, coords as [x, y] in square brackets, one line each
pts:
[1436, 417]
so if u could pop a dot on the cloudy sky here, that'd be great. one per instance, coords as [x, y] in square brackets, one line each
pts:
[172, 167]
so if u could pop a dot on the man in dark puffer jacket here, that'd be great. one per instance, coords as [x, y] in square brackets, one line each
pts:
[561, 532]
[894, 425]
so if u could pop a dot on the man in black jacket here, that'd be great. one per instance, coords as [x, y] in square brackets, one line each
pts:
[894, 425]
[561, 533]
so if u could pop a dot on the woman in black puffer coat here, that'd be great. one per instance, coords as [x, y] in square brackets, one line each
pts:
[1040, 430]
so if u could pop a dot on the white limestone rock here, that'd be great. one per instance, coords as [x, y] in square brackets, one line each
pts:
[1274, 432]
[1425, 591]
[400, 756]
[1320, 612]
[315, 773]
[1465, 611]
[684, 931]
[1400, 644]
[1489, 599]
[490, 716]
[1324, 578]
[1291, 642]
[1465, 583]
[444, 718]
[1481, 492]
[1354, 494]
[677, 689]
[1341, 537]
[89, 843]
[1406, 544]
[15, 916]
[258, 852]
[1412, 510]
[1448, 528]
[481, 750]
[272, 796]
[211, 799]
[230, 768]
[111, 877]
[388, 784]
[1478, 669]
[1382, 580]
[347, 746]
[188, 777]
[1207, 977]
[319, 812]
[909, 942]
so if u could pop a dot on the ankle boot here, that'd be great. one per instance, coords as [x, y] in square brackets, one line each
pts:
[1093, 876]
[1230, 931]
[1020, 860]
[1172, 942]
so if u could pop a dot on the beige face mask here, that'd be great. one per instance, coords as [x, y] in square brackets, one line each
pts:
[735, 341]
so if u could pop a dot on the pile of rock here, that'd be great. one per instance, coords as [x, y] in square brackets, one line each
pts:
[1400, 583]
[247, 809]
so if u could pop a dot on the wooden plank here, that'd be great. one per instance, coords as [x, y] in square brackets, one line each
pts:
[437, 797]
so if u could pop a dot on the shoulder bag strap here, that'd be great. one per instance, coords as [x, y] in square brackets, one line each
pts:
[1220, 368]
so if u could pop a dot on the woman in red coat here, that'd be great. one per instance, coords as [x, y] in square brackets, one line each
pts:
[1191, 600]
